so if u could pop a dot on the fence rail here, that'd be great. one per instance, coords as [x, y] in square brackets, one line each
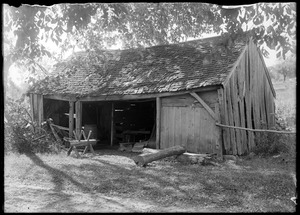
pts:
[254, 130]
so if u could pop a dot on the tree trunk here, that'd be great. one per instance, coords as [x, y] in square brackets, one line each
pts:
[142, 160]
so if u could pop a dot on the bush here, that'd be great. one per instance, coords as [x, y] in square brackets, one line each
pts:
[21, 134]
[268, 143]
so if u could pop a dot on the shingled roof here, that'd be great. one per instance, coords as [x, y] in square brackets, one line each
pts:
[164, 68]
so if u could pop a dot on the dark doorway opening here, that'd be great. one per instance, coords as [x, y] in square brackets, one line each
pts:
[132, 121]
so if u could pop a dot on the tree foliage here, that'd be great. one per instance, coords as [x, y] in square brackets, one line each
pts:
[138, 25]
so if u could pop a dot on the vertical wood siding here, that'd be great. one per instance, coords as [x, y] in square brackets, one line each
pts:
[37, 108]
[248, 101]
[185, 122]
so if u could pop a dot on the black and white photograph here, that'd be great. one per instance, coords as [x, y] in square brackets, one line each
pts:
[149, 107]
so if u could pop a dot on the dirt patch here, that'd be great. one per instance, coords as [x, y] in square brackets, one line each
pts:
[111, 182]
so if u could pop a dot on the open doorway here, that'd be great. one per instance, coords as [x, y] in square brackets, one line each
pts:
[132, 121]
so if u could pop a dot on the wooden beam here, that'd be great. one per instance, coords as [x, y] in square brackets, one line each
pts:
[112, 124]
[40, 110]
[158, 110]
[60, 127]
[31, 107]
[60, 97]
[36, 107]
[78, 110]
[209, 110]
[146, 96]
[71, 118]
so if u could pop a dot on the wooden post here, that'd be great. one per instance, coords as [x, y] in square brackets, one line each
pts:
[218, 113]
[31, 107]
[71, 118]
[40, 111]
[158, 110]
[78, 110]
[112, 125]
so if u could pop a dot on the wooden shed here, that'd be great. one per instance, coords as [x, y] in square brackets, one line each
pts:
[173, 93]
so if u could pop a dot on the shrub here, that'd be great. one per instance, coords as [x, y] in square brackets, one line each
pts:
[268, 144]
[21, 134]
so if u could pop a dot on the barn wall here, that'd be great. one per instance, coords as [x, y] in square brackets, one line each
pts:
[249, 103]
[185, 122]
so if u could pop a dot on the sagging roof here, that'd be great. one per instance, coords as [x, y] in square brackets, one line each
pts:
[164, 68]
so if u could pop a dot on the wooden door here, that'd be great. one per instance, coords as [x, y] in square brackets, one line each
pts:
[187, 124]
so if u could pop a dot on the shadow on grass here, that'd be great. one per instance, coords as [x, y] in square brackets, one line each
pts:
[58, 176]
[128, 181]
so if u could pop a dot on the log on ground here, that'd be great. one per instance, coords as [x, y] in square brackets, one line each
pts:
[191, 158]
[142, 160]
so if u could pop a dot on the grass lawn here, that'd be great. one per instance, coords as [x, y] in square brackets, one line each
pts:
[111, 182]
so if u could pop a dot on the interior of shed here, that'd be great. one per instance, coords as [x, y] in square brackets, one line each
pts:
[133, 121]
[58, 111]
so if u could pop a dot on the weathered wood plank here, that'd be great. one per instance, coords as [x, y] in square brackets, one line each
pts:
[207, 108]
[32, 106]
[230, 120]
[112, 125]
[198, 123]
[248, 105]
[171, 126]
[36, 107]
[236, 119]
[178, 126]
[268, 106]
[242, 92]
[259, 91]
[267, 74]
[226, 134]
[235, 65]
[158, 121]
[263, 100]
[78, 111]
[218, 133]
[40, 110]
[184, 124]
[71, 118]
[254, 88]
[163, 128]
[190, 120]
[167, 127]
